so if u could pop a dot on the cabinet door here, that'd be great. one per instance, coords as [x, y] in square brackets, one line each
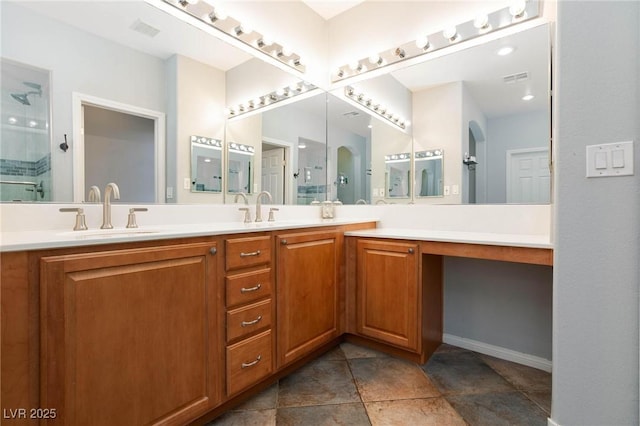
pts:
[130, 336]
[388, 294]
[307, 295]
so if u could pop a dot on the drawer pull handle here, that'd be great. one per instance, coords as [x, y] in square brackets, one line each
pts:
[213, 250]
[250, 289]
[411, 251]
[248, 323]
[253, 253]
[284, 242]
[252, 363]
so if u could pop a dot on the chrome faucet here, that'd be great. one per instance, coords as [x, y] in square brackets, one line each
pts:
[111, 188]
[243, 196]
[361, 201]
[259, 204]
[381, 202]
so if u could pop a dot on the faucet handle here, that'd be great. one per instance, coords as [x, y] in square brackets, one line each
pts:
[272, 217]
[131, 220]
[81, 224]
[247, 215]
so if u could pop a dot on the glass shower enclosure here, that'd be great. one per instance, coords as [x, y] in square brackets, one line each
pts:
[25, 138]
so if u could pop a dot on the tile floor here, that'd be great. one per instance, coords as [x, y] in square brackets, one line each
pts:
[351, 385]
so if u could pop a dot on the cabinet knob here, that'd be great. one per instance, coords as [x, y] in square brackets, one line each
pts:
[411, 251]
[213, 250]
[283, 242]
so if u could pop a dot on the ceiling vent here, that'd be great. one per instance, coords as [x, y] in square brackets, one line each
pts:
[516, 78]
[144, 28]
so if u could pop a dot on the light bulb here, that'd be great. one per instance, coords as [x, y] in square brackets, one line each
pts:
[422, 42]
[481, 22]
[375, 59]
[286, 51]
[280, 92]
[518, 8]
[354, 65]
[450, 34]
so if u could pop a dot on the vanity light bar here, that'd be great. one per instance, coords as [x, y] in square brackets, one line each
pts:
[279, 95]
[208, 142]
[395, 158]
[429, 154]
[241, 149]
[520, 11]
[375, 107]
[214, 18]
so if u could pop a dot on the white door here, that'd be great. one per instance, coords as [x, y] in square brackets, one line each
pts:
[273, 174]
[528, 176]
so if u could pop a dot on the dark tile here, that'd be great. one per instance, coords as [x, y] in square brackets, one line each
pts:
[446, 348]
[542, 398]
[423, 412]
[496, 409]
[381, 379]
[464, 372]
[246, 418]
[267, 399]
[521, 376]
[352, 351]
[335, 354]
[352, 414]
[321, 382]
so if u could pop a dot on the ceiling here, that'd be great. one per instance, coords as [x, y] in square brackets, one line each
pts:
[482, 70]
[113, 20]
[330, 8]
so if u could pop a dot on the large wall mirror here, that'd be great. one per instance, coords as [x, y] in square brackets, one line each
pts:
[491, 103]
[320, 146]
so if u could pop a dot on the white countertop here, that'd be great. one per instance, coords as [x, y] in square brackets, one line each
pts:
[488, 238]
[48, 239]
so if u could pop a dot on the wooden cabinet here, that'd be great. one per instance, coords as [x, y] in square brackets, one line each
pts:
[130, 336]
[388, 294]
[308, 313]
[249, 311]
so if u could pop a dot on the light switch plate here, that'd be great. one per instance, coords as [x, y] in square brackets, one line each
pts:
[186, 184]
[455, 189]
[447, 190]
[610, 159]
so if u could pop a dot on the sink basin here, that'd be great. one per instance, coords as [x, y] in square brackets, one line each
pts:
[109, 233]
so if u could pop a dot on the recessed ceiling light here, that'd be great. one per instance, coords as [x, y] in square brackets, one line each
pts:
[506, 50]
[527, 97]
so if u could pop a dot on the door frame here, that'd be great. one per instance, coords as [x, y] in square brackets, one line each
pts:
[289, 183]
[159, 119]
[510, 154]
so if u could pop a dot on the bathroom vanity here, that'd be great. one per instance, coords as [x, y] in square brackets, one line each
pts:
[178, 324]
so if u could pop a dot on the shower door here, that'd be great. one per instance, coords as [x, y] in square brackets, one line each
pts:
[25, 151]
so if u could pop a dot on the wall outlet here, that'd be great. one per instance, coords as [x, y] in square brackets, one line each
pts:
[187, 183]
[381, 192]
[455, 189]
[447, 190]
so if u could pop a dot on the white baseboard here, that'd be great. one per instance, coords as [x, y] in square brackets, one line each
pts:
[498, 352]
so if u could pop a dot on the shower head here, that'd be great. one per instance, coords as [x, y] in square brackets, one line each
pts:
[34, 86]
[21, 97]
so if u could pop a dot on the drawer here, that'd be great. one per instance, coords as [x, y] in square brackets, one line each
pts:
[244, 252]
[248, 287]
[249, 319]
[248, 362]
